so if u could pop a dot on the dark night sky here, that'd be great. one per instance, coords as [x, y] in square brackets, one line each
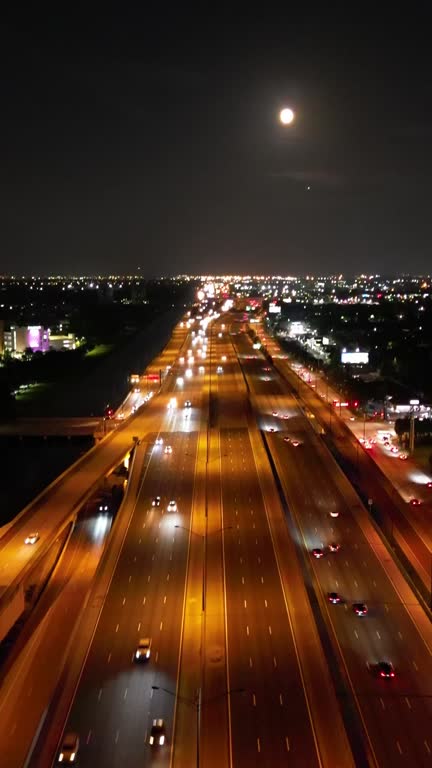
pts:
[138, 139]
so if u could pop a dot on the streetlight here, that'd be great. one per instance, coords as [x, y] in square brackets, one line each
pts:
[197, 703]
[204, 541]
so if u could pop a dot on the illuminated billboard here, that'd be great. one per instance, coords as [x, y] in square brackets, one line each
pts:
[354, 358]
[274, 309]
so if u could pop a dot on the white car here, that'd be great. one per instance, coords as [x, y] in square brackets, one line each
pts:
[32, 538]
[168, 449]
[159, 441]
[219, 369]
[143, 650]
[172, 506]
[157, 733]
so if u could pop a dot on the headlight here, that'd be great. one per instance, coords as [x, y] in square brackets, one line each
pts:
[61, 757]
[137, 654]
[151, 739]
[162, 740]
[148, 654]
[72, 757]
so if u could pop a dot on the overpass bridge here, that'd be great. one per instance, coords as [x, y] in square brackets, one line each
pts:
[52, 427]
[55, 509]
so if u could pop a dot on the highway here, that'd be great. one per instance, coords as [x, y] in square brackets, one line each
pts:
[395, 713]
[262, 682]
[223, 587]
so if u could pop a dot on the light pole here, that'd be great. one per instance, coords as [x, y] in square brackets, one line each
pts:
[203, 536]
[197, 702]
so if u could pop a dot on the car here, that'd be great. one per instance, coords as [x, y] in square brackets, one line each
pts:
[159, 441]
[403, 456]
[295, 443]
[267, 368]
[188, 404]
[287, 439]
[223, 358]
[201, 369]
[317, 552]
[334, 546]
[157, 733]
[32, 538]
[275, 413]
[271, 429]
[360, 609]
[219, 369]
[121, 415]
[69, 749]
[156, 500]
[285, 415]
[394, 449]
[385, 669]
[172, 506]
[143, 650]
[334, 598]
[415, 502]
[334, 513]
[266, 378]
[168, 449]
[133, 409]
[103, 507]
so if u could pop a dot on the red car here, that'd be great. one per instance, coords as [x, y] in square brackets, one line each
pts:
[317, 552]
[334, 598]
[415, 502]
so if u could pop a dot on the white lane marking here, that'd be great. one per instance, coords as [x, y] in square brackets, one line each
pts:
[117, 736]
[157, 656]
[382, 703]
[144, 600]
[124, 600]
[415, 666]
[130, 579]
[170, 557]
[259, 560]
[287, 743]
[165, 598]
[144, 525]
[148, 577]
[355, 583]
[134, 559]
[400, 634]
[364, 563]
[274, 662]
[346, 563]
[241, 560]
[242, 579]
[160, 626]
[117, 627]
[99, 694]
[262, 579]
[139, 541]
[378, 635]
[253, 525]
[238, 526]
[258, 745]
[245, 603]
[281, 700]
[167, 578]
[251, 511]
[374, 583]
[253, 700]
[250, 662]
[356, 634]
[153, 556]
[109, 658]
[139, 626]
[247, 630]
[386, 607]
[337, 583]
[408, 702]
[125, 694]
[88, 737]
[270, 629]
[399, 747]
[265, 603]
[156, 539]
[256, 540]
[427, 747]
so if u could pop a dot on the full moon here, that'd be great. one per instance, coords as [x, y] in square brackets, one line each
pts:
[286, 116]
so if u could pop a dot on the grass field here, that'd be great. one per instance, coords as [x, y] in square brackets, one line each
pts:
[100, 350]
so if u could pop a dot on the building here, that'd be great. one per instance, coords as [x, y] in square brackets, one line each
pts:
[19, 338]
[59, 342]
